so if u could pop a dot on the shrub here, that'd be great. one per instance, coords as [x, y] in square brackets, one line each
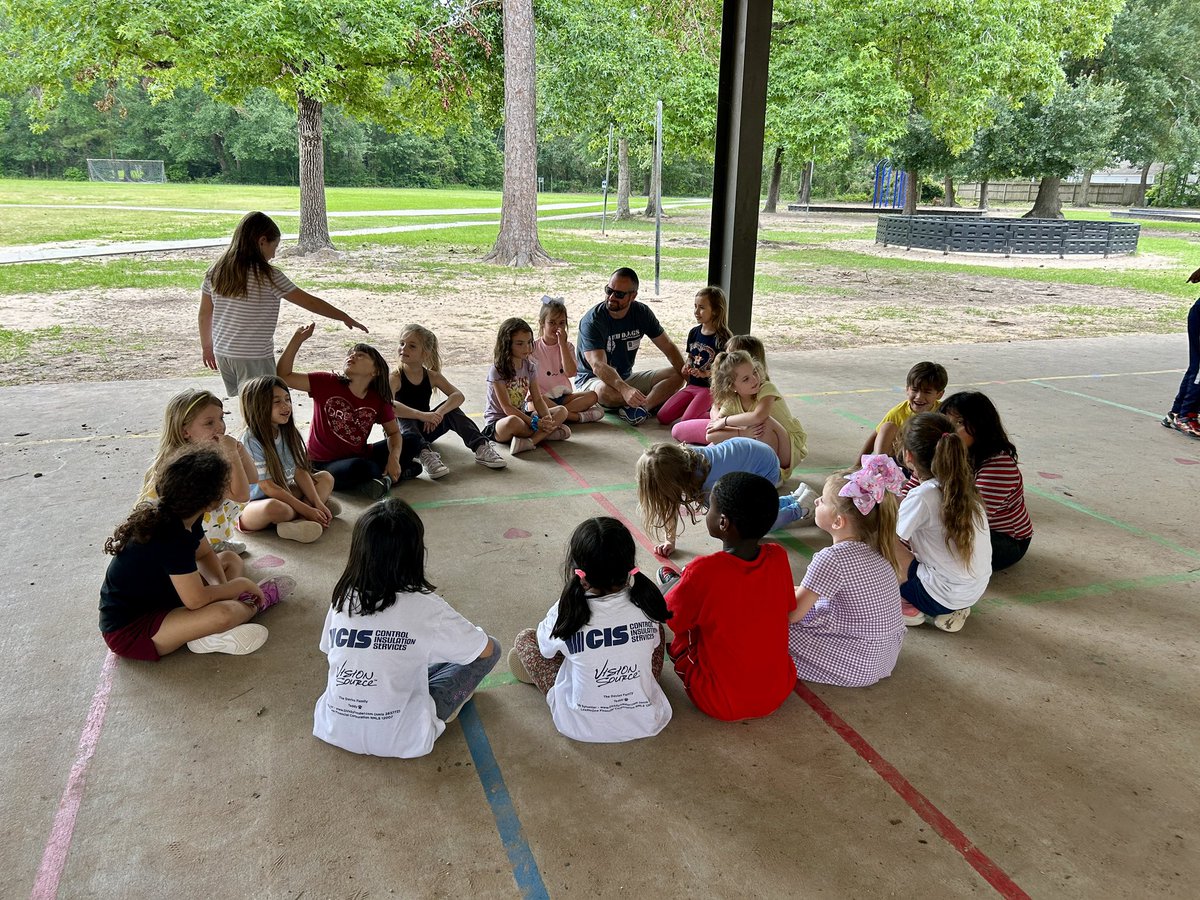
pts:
[74, 173]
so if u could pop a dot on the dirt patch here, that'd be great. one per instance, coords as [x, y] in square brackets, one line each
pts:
[125, 333]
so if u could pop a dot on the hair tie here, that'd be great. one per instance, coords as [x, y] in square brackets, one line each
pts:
[866, 487]
[547, 300]
[579, 572]
[634, 570]
[946, 434]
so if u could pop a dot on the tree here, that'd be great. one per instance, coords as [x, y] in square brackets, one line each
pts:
[517, 243]
[390, 61]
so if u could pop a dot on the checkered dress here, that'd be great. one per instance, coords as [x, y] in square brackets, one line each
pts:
[852, 635]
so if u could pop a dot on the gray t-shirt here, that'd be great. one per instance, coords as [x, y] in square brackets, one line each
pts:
[619, 338]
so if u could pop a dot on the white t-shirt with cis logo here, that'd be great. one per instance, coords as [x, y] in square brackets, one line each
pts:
[605, 691]
[376, 698]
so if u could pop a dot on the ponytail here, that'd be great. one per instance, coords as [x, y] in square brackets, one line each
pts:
[962, 507]
[649, 599]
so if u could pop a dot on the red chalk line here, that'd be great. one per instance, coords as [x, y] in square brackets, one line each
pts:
[54, 859]
[918, 802]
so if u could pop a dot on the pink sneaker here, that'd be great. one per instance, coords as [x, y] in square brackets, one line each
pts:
[912, 615]
[274, 590]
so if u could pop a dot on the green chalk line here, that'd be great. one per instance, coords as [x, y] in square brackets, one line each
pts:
[1104, 587]
[854, 417]
[1132, 409]
[793, 543]
[531, 495]
[1124, 526]
[497, 679]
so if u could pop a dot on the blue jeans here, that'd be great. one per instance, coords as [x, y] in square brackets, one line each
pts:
[1187, 401]
[450, 685]
[914, 592]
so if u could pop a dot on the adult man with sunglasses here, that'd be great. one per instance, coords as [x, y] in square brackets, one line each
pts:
[610, 334]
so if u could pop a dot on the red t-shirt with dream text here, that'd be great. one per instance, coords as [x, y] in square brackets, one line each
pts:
[341, 421]
[731, 632]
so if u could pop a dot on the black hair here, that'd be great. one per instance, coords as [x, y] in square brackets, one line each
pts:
[982, 422]
[387, 557]
[502, 353]
[748, 501]
[602, 548]
[380, 383]
[626, 272]
[192, 481]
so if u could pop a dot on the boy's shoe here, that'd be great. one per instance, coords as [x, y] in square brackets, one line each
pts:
[634, 415]
[236, 641]
[1169, 420]
[301, 530]
[454, 715]
[561, 433]
[517, 667]
[952, 621]
[667, 575]
[378, 488]
[595, 414]
[486, 455]
[234, 546]
[432, 463]
[520, 445]
[1189, 425]
[276, 588]
[334, 507]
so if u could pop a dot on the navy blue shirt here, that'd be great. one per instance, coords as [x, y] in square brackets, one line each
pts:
[702, 349]
[619, 338]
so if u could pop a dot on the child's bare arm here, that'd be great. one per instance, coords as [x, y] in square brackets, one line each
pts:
[206, 337]
[804, 602]
[305, 300]
[454, 397]
[885, 438]
[500, 392]
[287, 359]
[869, 446]
[242, 470]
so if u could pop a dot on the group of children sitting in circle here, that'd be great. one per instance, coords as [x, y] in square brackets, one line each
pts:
[934, 505]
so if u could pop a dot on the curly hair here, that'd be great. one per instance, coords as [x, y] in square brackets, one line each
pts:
[190, 483]
[502, 354]
[936, 450]
[724, 370]
[750, 502]
[670, 476]
[751, 345]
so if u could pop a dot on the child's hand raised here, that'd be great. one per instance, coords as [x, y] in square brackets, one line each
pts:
[304, 332]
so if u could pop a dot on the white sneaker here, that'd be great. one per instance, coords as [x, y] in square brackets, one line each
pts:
[520, 445]
[952, 621]
[806, 500]
[236, 641]
[301, 530]
[486, 455]
[561, 433]
[595, 414]
[334, 507]
[233, 546]
[432, 463]
[915, 620]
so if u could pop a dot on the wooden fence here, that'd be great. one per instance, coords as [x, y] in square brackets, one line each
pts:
[1103, 194]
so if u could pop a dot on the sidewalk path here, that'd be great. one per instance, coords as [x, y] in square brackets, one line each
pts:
[51, 252]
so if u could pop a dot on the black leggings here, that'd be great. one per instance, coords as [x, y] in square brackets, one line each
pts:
[1007, 550]
[355, 470]
[416, 437]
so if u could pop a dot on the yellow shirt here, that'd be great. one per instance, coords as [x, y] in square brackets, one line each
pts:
[781, 414]
[898, 415]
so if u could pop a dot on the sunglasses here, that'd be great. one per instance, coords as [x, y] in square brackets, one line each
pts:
[613, 292]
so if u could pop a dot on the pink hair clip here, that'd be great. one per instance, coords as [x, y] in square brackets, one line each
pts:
[634, 570]
[579, 572]
[878, 475]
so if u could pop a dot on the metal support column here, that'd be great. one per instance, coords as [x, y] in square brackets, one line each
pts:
[737, 181]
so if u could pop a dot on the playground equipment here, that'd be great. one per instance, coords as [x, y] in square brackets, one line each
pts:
[891, 184]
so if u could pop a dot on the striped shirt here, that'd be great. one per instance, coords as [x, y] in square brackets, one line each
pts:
[244, 327]
[1003, 491]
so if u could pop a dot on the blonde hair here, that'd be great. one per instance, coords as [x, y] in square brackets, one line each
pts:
[257, 401]
[720, 306]
[433, 358]
[669, 476]
[181, 411]
[937, 450]
[723, 369]
[751, 345]
[876, 529]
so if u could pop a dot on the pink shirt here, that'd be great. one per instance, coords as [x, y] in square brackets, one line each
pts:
[547, 360]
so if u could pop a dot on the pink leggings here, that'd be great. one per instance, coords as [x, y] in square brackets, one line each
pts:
[690, 403]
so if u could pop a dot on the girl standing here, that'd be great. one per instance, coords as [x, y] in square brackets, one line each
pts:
[239, 304]
[554, 360]
[598, 653]
[942, 524]
[512, 378]
[402, 662]
[997, 478]
[746, 404]
[707, 339]
[288, 493]
[675, 478]
[345, 408]
[165, 587]
[846, 629]
[198, 417]
[1184, 415]
[417, 373]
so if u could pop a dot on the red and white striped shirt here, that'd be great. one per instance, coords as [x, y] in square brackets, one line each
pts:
[1003, 491]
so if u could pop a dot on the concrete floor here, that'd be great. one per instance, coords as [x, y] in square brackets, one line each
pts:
[1051, 748]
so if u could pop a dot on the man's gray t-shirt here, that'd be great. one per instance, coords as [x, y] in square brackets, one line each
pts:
[619, 338]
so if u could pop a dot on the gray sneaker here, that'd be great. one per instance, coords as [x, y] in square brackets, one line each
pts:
[486, 455]
[432, 463]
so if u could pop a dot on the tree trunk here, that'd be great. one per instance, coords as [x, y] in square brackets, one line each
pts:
[948, 200]
[1140, 198]
[983, 193]
[517, 243]
[314, 223]
[623, 179]
[1048, 204]
[1085, 188]
[805, 193]
[652, 190]
[912, 191]
[773, 188]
